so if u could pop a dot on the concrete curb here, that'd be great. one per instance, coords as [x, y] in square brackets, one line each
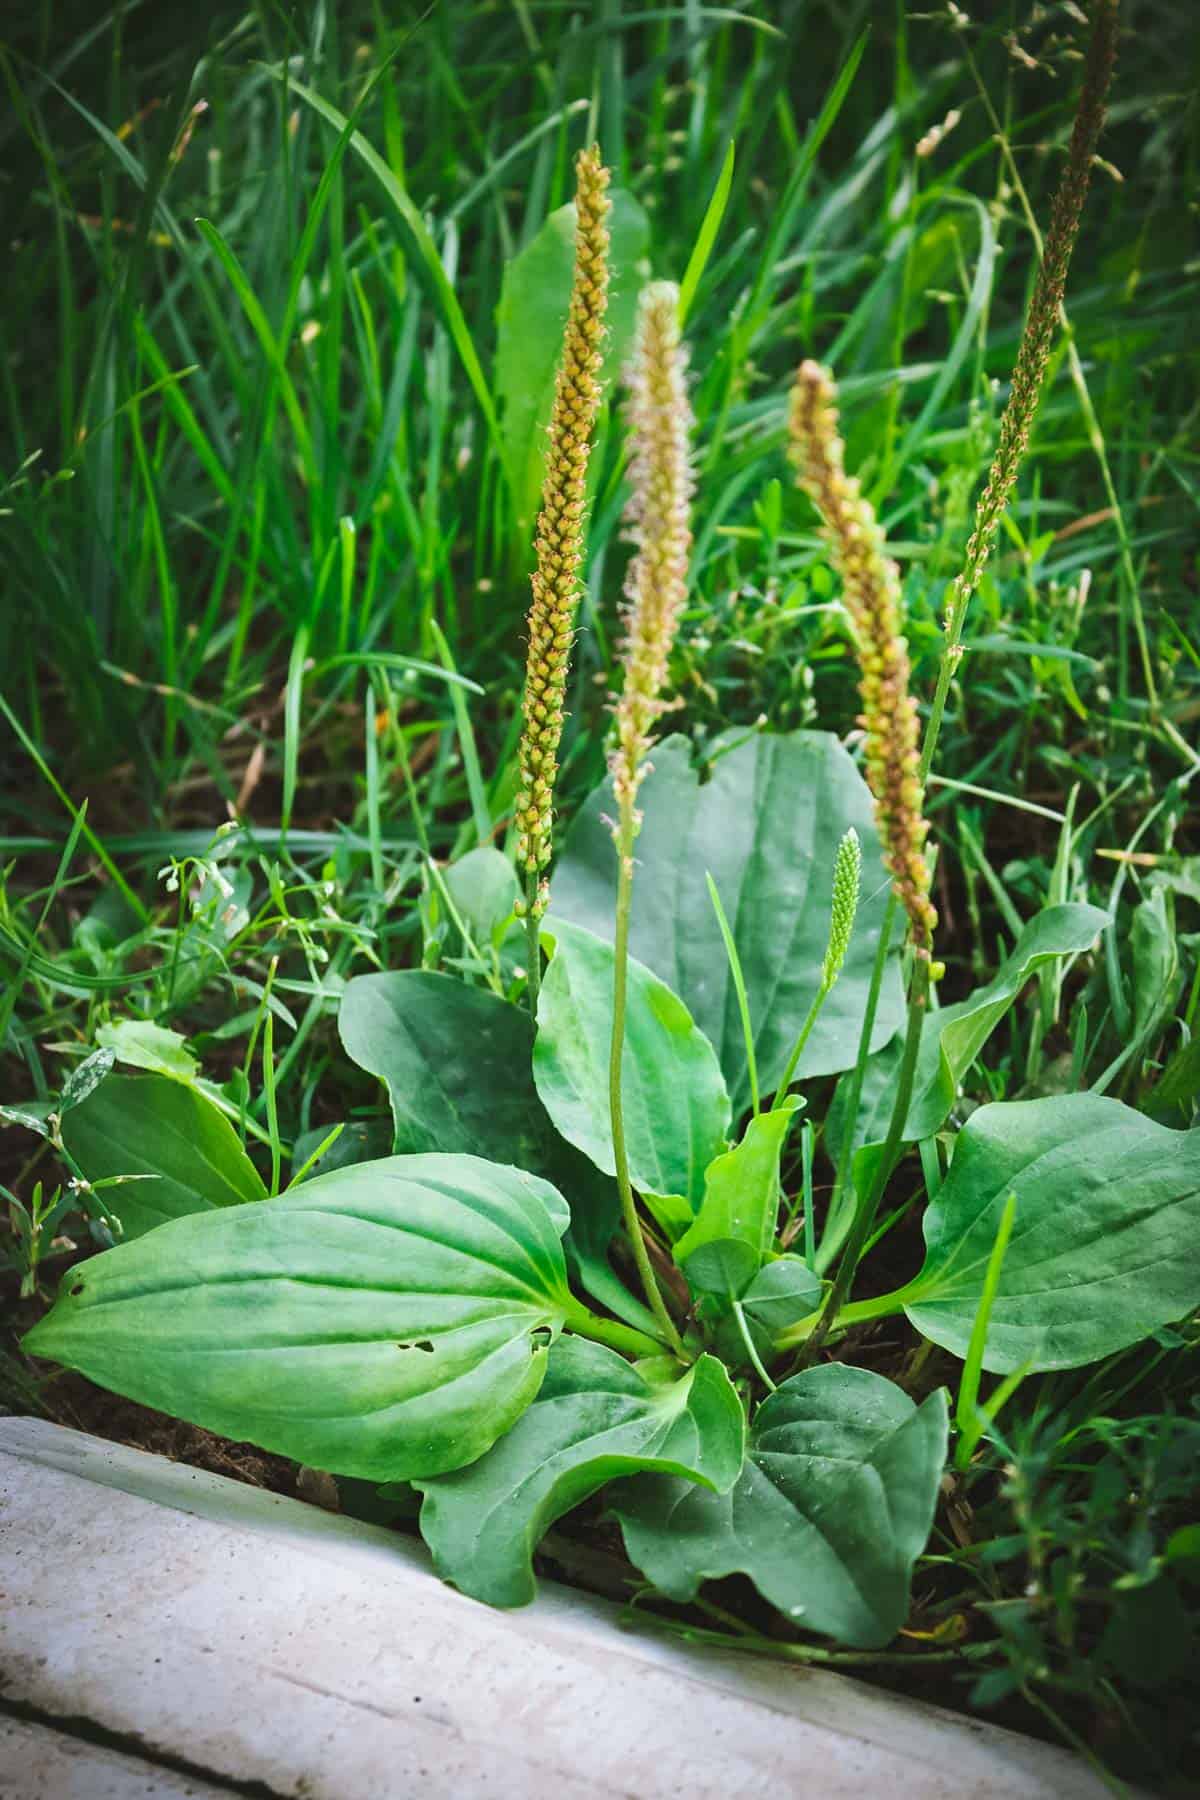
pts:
[206, 1631]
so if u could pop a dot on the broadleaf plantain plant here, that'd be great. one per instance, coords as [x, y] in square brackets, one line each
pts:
[709, 943]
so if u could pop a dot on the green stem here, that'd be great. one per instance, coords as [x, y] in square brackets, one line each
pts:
[785, 1081]
[755, 1360]
[868, 1204]
[837, 1221]
[626, 831]
[625, 1338]
[533, 951]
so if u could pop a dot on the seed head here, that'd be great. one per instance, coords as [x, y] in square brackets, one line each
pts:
[559, 541]
[1044, 306]
[847, 868]
[657, 519]
[871, 586]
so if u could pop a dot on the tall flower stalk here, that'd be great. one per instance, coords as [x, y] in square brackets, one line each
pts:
[658, 523]
[871, 592]
[1029, 371]
[559, 543]
[1045, 311]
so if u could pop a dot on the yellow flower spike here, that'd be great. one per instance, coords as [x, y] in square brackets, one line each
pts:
[559, 542]
[871, 586]
[657, 519]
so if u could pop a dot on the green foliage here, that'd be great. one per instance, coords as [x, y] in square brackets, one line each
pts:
[187, 1155]
[385, 1321]
[1107, 1204]
[739, 1212]
[676, 1104]
[828, 1516]
[266, 501]
[766, 825]
[595, 1418]
[954, 1035]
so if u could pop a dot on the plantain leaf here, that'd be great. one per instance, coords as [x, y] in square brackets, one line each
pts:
[1102, 1250]
[830, 1512]
[457, 1064]
[595, 1418]
[676, 1109]
[155, 1125]
[383, 1321]
[766, 825]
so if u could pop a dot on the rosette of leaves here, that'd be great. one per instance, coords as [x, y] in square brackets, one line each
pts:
[455, 1314]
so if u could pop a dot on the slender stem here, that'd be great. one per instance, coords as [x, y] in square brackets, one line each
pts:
[756, 1361]
[868, 1204]
[626, 832]
[836, 1222]
[785, 1080]
[533, 952]
[625, 1338]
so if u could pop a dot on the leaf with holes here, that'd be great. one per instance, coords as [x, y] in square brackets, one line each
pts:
[831, 1510]
[595, 1418]
[384, 1321]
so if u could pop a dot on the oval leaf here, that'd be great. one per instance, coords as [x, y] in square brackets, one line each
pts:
[766, 825]
[1102, 1250]
[483, 887]
[675, 1104]
[783, 1293]
[595, 1418]
[384, 1321]
[458, 1066]
[832, 1508]
[154, 1125]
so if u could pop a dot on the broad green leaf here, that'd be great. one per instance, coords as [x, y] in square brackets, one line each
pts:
[741, 1197]
[155, 1125]
[954, 1035]
[766, 825]
[483, 887]
[457, 1064]
[534, 297]
[832, 1508]
[1103, 1247]
[385, 1321]
[782, 1293]
[675, 1105]
[595, 1418]
[720, 1270]
[143, 1045]
[455, 1061]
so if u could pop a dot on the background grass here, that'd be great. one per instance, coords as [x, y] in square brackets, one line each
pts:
[255, 514]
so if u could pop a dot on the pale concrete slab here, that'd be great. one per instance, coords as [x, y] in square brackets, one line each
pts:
[39, 1764]
[262, 1640]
